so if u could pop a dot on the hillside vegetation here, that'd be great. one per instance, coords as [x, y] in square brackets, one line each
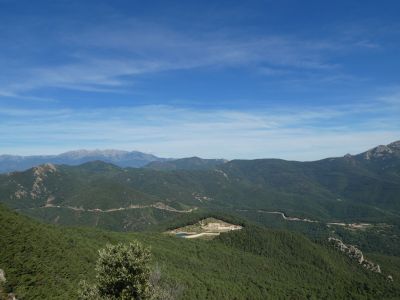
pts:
[361, 188]
[46, 262]
[320, 199]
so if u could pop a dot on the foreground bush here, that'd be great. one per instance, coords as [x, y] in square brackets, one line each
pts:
[122, 272]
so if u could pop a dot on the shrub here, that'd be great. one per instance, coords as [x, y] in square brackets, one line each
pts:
[122, 272]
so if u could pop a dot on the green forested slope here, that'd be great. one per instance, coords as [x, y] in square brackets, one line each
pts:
[46, 262]
[361, 188]
[352, 188]
[189, 163]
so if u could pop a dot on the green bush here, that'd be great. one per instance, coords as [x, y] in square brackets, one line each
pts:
[122, 272]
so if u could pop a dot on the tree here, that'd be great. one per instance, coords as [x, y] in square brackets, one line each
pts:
[122, 272]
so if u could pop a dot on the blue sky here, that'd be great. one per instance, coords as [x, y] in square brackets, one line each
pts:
[296, 80]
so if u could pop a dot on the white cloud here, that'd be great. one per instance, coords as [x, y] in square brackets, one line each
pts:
[100, 56]
[295, 133]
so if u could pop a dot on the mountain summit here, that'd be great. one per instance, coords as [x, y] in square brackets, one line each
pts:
[383, 151]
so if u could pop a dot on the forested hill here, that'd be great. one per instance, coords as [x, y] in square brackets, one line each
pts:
[363, 187]
[190, 163]
[253, 262]
[46, 262]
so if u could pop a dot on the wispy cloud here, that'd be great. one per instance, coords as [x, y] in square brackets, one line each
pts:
[107, 58]
[236, 86]
[303, 133]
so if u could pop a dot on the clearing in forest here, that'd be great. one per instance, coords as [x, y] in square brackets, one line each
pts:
[206, 228]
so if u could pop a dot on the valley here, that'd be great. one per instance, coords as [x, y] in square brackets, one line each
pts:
[252, 262]
[199, 150]
[225, 218]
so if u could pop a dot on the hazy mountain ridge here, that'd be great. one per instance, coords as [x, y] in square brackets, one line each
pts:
[136, 159]
[10, 163]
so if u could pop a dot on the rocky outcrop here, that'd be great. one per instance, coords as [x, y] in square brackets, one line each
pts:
[40, 173]
[2, 276]
[383, 151]
[4, 295]
[355, 254]
[10, 296]
[200, 197]
[38, 189]
[395, 145]
[371, 266]
[378, 152]
[21, 193]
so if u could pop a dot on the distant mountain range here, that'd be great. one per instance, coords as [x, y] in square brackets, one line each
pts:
[10, 163]
[136, 159]
[363, 187]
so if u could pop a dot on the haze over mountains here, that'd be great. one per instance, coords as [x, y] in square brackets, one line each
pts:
[9, 163]
[137, 159]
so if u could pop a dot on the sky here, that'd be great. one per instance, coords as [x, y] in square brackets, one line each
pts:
[298, 80]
